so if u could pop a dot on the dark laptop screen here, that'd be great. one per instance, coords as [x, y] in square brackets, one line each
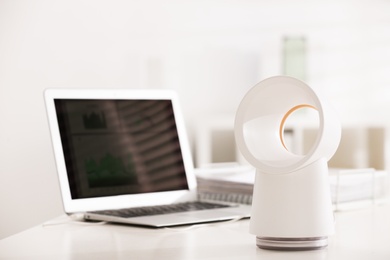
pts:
[116, 147]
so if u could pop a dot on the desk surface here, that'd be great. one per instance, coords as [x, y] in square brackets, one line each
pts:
[360, 234]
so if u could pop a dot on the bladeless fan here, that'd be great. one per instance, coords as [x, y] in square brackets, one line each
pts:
[291, 206]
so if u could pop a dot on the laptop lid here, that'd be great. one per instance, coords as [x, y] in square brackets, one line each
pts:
[119, 148]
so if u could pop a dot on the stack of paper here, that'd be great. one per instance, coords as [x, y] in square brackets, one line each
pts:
[349, 185]
[235, 183]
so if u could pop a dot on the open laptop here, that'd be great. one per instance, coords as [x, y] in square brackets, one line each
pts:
[126, 150]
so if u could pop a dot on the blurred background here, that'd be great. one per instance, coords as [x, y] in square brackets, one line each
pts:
[211, 52]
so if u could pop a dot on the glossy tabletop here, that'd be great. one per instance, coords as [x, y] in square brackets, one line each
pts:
[360, 234]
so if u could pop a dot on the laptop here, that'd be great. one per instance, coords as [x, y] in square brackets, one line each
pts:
[126, 150]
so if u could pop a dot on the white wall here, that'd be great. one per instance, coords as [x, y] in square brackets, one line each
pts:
[211, 52]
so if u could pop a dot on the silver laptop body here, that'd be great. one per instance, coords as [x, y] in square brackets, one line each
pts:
[125, 148]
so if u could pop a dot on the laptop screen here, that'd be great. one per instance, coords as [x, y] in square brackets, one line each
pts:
[116, 147]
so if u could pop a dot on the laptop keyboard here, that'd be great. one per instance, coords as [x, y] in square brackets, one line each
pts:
[163, 209]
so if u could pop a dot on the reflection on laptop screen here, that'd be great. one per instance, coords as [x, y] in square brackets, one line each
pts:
[116, 147]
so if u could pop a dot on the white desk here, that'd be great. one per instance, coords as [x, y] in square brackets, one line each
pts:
[360, 234]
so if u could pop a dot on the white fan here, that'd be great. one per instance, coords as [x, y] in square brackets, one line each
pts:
[291, 207]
